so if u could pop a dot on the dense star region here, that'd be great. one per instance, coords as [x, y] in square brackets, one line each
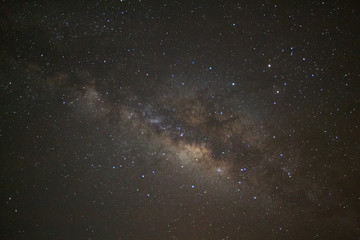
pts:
[180, 120]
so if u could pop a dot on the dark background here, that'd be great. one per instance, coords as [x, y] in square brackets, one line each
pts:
[105, 107]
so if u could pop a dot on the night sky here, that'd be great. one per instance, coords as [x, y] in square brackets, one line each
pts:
[180, 120]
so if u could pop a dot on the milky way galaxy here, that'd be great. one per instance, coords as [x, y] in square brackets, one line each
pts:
[176, 120]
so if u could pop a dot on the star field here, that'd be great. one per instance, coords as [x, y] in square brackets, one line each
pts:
[179, 120]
